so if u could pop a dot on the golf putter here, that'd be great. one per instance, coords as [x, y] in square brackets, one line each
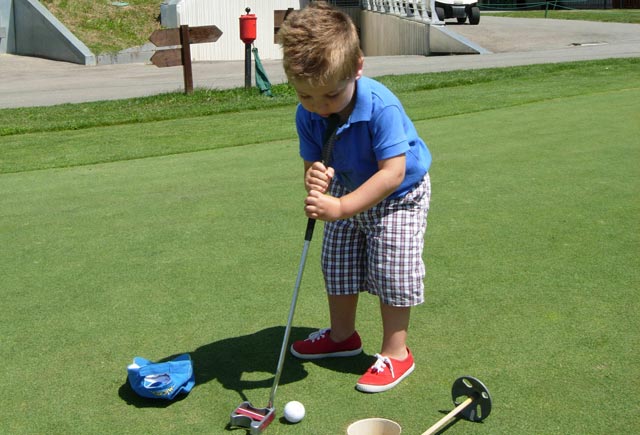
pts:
[246, 415]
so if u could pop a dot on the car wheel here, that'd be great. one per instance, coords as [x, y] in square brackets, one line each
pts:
[474, 17]
[440, 13]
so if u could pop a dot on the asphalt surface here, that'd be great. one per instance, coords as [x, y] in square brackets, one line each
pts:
[28, 81]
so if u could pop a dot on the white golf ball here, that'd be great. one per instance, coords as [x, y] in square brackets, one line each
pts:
[294, 411]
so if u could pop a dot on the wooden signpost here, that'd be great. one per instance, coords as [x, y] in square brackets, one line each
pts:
[183, 36]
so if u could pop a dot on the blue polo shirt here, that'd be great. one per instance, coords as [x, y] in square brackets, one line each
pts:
[377, 129]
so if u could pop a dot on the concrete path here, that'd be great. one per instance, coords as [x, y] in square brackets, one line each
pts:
[27, 81]
[510, 35]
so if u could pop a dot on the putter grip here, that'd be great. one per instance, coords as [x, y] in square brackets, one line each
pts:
[311, 224]
[327, 149]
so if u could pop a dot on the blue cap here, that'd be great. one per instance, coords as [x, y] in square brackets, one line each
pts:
[163, 380]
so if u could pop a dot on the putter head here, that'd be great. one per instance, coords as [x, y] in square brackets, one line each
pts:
[255, 419]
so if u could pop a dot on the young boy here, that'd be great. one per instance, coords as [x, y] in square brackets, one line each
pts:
[374, 196]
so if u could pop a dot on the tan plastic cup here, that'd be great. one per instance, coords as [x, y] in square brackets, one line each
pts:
[374, 426]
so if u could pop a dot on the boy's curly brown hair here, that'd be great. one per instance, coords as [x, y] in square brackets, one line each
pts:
[319, 44]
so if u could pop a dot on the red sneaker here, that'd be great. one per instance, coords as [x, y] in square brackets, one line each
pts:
[385, 374]
[320, 345]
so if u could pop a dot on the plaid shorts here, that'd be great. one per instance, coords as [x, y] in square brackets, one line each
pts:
[379, 250]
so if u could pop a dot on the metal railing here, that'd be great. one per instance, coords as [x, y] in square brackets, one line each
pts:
[420, 10]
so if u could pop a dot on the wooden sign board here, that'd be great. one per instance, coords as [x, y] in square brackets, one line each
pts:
[164, 58]
[197, 35]
[183, 37]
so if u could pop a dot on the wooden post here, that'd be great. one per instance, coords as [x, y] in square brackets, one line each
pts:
[186, 59]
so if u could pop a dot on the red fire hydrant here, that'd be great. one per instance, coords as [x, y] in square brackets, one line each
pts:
[248, 35]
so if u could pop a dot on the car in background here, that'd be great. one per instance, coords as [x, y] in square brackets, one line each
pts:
[458, 9]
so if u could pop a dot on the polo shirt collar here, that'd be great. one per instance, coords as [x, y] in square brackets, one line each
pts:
[363, 107]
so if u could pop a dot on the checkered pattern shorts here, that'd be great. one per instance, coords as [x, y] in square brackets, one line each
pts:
[379, 250]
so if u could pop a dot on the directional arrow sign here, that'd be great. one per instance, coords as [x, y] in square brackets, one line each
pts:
[165, 37]
[162, 58]
[197, 35]
[204, 34]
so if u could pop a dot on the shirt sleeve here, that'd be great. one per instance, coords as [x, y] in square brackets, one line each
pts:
[388, 133]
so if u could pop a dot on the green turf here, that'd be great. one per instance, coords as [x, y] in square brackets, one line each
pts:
[533, 257]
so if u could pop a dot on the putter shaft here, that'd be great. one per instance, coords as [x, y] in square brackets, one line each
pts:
[292, 308]
[247, 415]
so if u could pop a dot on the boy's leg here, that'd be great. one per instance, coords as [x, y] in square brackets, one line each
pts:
[395, 326]
[342, 312]
[343, 268]
[396, 274]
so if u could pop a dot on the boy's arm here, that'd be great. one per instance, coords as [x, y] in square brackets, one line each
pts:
[382, 184]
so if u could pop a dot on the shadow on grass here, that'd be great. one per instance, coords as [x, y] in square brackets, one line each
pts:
[233, 360]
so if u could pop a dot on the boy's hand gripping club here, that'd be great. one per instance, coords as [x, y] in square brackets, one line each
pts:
[327, 150]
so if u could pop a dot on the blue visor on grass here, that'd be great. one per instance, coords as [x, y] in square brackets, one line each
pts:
[163, 380]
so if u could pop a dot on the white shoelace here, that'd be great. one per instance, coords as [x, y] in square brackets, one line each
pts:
[381, 364]
[318, 335]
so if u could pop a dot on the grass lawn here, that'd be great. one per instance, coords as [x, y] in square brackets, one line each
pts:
[180, 235]
[107, 26]
[605, 15]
